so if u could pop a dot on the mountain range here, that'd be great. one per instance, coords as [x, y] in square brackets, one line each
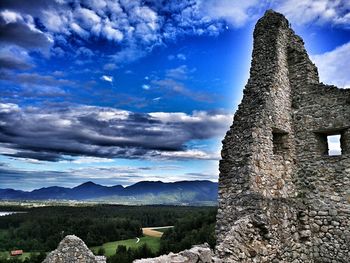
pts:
[144, 192]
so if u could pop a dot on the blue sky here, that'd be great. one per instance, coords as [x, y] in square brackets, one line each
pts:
[122, 91]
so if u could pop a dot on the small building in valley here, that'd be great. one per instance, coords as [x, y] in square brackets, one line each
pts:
[18, 252]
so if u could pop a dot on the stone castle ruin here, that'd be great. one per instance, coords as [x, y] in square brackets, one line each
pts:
[282, 198]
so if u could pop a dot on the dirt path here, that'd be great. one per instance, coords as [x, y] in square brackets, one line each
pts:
[152, 231]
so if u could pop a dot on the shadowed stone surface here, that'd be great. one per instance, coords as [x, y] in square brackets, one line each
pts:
[73, 250]
[281, 197]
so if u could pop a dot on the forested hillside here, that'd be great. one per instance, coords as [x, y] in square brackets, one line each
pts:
[41, 229]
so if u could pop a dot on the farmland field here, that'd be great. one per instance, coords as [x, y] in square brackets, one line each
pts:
[152, 242]
[162, 229]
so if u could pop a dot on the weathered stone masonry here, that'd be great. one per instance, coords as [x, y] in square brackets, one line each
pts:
[281, 197]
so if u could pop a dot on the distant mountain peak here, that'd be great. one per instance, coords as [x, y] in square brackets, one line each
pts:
[87, 184]
[156, 192]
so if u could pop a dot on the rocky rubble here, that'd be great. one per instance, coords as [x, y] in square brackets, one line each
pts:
[73, 250]
[197, 254]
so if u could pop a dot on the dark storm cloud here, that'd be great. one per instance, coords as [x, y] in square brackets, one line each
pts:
[21, 35]
[52, 133]
[32, 7]
[40, 156]
[13, 63]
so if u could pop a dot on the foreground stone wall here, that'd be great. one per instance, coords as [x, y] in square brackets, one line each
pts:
[281, 197]
[197, 254]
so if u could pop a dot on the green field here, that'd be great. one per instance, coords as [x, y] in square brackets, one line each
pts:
[152, 242]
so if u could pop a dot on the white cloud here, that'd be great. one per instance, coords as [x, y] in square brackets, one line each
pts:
[8, 107]
[97, 4]
[180, 72]
[179, 56]
[56, 22]
[173, 84]
[321, 11]
[128, 54]
[236, 13]
[88, 159]
[112, 34]
[110, 66]
[83, 51]
[146, 87]
[87, 17]
[189, 154]
[107, 78]
[10, 16]
[79, 31]
[333, 66]
[196, 117]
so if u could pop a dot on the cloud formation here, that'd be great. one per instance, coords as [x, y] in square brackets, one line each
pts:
[319, 11]
[331, 66]
[173, 83]
[105, 132]
[107, 78]
[136, 27]
[20, 30]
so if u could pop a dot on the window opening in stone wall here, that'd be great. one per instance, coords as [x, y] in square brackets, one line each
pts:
[280, 144]
[334, 145]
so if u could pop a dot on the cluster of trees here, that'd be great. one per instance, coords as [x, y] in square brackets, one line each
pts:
[124, 255]
[195, 228]
[44, 233]
[33, 258]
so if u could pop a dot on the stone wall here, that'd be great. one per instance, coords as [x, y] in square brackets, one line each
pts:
[197, 254]
[281, 197]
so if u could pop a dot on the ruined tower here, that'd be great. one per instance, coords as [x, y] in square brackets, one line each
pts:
[282, 198]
